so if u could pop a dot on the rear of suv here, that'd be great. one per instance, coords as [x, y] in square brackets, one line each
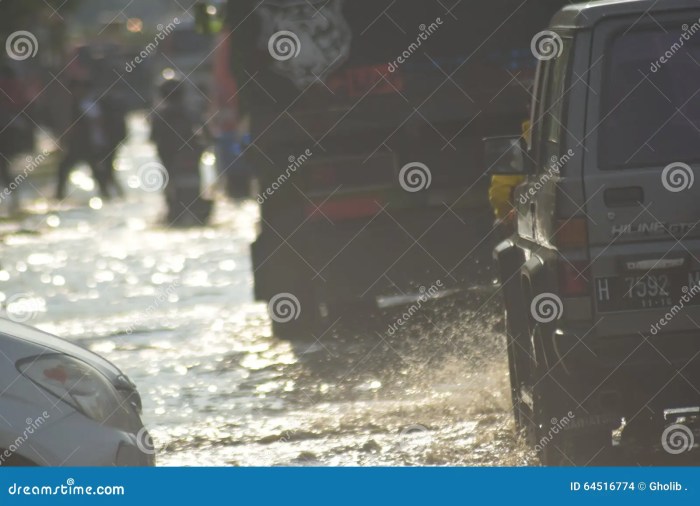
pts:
[601, 278]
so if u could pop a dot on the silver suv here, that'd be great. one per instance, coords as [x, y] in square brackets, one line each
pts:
[601, 278]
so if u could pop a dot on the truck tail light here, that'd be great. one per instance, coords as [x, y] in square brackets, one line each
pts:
[574, 278]
[571, 233]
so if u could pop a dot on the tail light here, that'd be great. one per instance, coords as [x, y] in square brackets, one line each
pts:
[574, 278]
[326, 174]
[322, 177]
[571, 233]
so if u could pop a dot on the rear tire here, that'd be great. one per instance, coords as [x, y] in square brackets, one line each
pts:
[518, 362]
[294, 314]
[517, 346]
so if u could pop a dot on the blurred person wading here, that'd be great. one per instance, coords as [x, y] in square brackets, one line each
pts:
[97, 128]
[174, 132]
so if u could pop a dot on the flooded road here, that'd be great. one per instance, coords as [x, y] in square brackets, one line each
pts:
[173, 308]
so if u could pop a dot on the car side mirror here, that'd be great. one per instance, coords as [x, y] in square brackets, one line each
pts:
[506, 156]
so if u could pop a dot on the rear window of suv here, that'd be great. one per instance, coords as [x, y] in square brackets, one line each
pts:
[651, 98]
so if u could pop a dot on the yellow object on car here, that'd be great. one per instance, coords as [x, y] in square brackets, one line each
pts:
[501, 189]
[501, 194]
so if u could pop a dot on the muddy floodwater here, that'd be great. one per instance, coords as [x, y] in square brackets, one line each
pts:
[174, 310]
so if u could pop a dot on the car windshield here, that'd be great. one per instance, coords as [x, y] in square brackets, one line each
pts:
[651, 100]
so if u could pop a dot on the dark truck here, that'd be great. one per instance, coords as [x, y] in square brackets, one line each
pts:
[366, 119]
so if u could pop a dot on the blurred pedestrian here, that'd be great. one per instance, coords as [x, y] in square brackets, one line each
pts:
[113, 120]
[174, 132]
[86, 139]
[16, 130]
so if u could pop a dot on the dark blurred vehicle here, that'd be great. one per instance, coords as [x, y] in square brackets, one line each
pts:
[366, 122]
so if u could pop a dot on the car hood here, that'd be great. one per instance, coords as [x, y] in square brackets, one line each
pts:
[28, 341]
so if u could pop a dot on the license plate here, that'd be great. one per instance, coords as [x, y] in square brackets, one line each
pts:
[633, 292]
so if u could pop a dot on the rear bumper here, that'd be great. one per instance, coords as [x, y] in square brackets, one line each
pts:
[632, 353]
[629, 373]
[390, 253]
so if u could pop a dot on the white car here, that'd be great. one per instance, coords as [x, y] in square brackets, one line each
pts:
[62, 405]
